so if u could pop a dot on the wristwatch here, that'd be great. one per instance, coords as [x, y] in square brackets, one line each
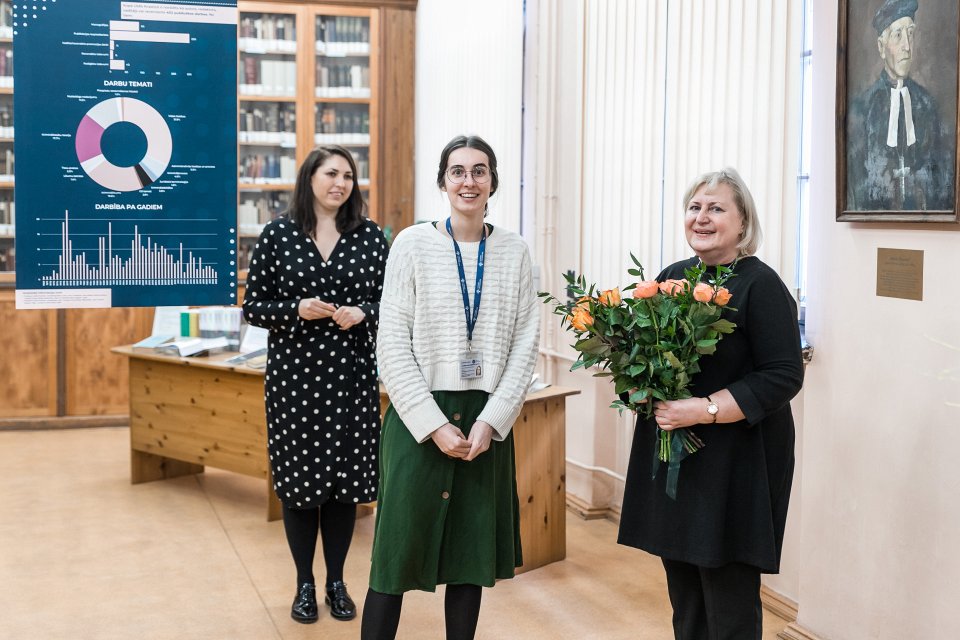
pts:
[712, 408]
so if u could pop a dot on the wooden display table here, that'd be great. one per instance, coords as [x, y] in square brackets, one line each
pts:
[187, 413]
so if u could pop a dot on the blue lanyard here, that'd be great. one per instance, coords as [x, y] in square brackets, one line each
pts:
[470, 317]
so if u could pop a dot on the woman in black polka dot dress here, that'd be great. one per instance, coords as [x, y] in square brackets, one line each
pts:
[315, 282]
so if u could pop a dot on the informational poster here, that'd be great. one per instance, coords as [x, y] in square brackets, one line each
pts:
[126, 147]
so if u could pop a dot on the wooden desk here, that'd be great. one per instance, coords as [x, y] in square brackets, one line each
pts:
[187, 413]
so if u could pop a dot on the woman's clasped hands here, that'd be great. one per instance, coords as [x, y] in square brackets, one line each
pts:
[451, 441]
[316, 309]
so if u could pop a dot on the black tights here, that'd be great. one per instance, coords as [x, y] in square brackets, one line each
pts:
[334, 522]
[461, 609]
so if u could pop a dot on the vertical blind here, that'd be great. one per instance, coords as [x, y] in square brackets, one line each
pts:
[674, 88]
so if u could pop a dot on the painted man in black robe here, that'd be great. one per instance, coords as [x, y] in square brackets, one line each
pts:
[899, 157]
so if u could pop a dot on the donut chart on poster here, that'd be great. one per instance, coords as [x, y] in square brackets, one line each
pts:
[135, 112]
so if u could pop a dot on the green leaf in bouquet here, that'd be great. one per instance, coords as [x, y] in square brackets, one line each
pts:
[615, 316]
[640, 395]
[635, 272]
[673, 360]
[622, 384]
[723, 326]
[592, 345]
[636, 369]
[603, 374]
[706, 343]
[658, 394]
[579, 364]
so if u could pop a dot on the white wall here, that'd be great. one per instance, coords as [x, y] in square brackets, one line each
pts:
[469, 81]
[881, 478]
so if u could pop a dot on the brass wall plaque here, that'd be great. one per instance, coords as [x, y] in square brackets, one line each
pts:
[900, 273]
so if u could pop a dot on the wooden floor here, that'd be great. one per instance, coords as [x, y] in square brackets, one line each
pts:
[83, 554]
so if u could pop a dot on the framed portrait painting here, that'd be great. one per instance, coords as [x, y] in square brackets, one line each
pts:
[897, 117]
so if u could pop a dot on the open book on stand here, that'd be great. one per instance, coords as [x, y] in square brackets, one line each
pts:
[150, 343]
[194, 346]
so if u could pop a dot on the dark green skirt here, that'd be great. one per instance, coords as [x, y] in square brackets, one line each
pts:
[443, 520]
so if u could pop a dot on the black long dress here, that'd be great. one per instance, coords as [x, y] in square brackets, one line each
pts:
[322, 397]
[733, 494]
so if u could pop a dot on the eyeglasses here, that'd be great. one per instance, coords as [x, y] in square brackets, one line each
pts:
[457, 175]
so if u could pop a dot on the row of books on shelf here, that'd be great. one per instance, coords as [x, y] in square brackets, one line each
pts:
[279, 138]
[342, 138]
[268, 117]
[6, 119]
[6, 164]
[268, 27]
[343, 120]
[343, 80]
[253, 213]
[342, 49]
[268, 77]
[8, 259]
[6, 65]
[267, 47]
[268, 169]
[8, 212]
[362, 93]
[334, 30]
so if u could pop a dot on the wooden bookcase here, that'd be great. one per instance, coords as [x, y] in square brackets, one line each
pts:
[56, 366]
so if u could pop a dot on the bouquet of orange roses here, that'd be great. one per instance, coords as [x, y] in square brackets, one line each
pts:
[651, 342]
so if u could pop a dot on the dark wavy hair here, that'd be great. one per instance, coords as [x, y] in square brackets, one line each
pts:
[469, 142]
[351, 213]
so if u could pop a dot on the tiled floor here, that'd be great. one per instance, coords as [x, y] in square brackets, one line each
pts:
[85, 555]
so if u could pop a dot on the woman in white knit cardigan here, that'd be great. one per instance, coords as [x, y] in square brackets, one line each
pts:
[456, 348]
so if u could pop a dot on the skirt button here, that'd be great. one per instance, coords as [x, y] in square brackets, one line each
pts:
[456, 416]
[445, 495]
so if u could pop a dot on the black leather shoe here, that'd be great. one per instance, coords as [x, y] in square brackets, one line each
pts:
[341, 604]
[304, 607]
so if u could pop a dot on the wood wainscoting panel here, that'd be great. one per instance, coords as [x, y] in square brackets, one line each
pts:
[28, 360]
[96, 380]
[398, 41]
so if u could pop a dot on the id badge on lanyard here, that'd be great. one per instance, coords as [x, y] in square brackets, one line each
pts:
[471, 362]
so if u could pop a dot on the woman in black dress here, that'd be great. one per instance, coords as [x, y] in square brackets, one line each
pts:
[726, 525]
[315, 282]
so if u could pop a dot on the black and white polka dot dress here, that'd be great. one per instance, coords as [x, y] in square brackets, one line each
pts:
[322, 397]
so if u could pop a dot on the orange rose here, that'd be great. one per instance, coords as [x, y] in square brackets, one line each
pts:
[722, 296]
[672, 287]
[646, 289]
[581, 319]
[702, 292]
[610, 297]
[584, 302]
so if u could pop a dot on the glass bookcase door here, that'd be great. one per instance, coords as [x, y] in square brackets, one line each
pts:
[344, 74]
[268, 91]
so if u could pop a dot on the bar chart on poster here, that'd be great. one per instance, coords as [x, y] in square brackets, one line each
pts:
[126, 143]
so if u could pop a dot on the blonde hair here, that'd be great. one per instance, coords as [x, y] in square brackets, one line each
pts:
[752, 235]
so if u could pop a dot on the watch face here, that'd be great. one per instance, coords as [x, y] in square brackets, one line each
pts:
[713, 409]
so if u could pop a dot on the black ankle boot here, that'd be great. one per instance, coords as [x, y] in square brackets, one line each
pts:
[304, 607]
[341, 605]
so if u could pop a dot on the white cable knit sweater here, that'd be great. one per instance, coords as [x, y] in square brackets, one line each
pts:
[423, 330]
